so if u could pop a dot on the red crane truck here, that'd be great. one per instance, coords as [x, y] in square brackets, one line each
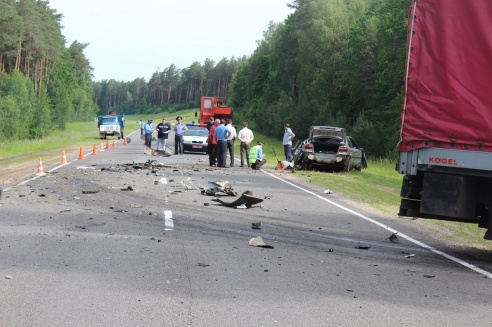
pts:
[445, 146]
[213, 107]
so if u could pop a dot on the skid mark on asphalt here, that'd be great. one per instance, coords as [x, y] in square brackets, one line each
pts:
[408, 238]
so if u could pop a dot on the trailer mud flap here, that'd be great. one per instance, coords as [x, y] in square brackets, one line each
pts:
[448, 195]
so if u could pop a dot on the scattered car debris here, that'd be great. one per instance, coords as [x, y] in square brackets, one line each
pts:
[219, 188]
[89, 191]
[246, 198]
[129, 188]
[393, 238]
[256, 225]
[410, 256]
[199, 264]
[66, 210]
[329, 250]
[362, 247]
[429, 276]
[206, 204]
[328, 192]
[8, 277]
[258, 242]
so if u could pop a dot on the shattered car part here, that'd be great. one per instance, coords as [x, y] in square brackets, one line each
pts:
[258, 242]
[219, 188]
[246, 199]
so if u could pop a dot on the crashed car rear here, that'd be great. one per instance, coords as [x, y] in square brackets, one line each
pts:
[330, 147]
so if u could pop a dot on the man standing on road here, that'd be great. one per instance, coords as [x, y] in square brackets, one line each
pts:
[211, 122]
[179, 130]
[148, 130]
[221, 133]
[287, 142]
[230, 139]
[163, 130]
[246, 137]
[212, 144]
[256, 157]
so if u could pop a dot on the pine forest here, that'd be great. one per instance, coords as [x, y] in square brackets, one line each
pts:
[331, 62]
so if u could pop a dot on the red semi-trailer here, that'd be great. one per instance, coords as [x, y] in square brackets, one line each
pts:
[445, 146]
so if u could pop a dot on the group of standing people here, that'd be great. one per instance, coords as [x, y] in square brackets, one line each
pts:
[163, 129]
[221, 137]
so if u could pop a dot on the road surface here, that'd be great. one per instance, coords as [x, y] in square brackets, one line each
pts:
[113, 241]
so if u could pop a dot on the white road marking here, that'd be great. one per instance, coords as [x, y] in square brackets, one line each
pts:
[168, 220]
[408, 238]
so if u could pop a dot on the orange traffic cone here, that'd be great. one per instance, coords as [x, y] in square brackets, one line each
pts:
[114, 144]
[124, 141]
[40, 167]
[81, 154]
[107, 145]
[64, 158]
[94, 149]
[101, 148]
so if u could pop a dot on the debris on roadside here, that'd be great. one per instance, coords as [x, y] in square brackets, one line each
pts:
[89, 191]
[362, 247]
[129, 188]
[328, 192]
[85, 167]
[258, 242]
[393, 238]
[256, 225]
[246, 199]
[219, 188]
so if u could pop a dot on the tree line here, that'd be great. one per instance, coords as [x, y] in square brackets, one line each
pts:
[335, 62]
[331, 62]
[169, 89]
[43, 84]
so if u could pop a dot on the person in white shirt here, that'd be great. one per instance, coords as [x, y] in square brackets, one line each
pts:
[230, 139]
[287, 142]
[246, 137]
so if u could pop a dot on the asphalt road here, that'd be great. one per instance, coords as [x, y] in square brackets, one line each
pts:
[110, 241]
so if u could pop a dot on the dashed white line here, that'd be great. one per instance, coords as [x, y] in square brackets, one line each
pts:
[408, 238]
[167, 215]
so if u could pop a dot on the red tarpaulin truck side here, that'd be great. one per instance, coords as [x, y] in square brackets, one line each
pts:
[445, 147]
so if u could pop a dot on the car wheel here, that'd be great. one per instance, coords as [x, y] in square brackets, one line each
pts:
[306, 165]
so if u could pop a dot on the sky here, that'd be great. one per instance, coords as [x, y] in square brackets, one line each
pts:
[131, 39]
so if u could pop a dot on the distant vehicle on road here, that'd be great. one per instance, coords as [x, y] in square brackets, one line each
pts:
[112, 124]
[330, 147]
[195, 139]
